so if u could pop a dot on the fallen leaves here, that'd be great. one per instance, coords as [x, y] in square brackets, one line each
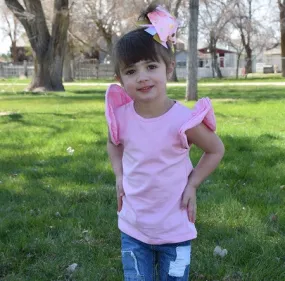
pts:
[71, 268]
[218, 251]
[273, 218]
[70, 150]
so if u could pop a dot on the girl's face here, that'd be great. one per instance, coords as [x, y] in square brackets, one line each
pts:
[145, 80]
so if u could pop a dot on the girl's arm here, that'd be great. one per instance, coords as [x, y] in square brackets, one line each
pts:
[116, 154]
[214, 150]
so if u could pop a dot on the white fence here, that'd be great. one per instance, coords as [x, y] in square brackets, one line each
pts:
[9, 70]
[90, 69]
[204, 72]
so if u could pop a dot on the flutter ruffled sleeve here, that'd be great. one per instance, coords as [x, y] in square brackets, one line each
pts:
[115, 97]
[202, 113]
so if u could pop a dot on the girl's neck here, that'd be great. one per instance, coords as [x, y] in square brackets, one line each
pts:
[154, 108]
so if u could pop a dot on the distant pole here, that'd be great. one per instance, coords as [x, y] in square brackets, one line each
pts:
[282, 30]
[192, 73]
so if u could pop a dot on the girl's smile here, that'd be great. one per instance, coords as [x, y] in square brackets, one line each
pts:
[145, 89]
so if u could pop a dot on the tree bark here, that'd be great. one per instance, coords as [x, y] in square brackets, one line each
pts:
[174, 76]
[248, 64]
[68, 65]
[213, 51]
[282, 29]
[14, 52]
[238, 61]
[246, 34]
[191, 90]
[48, 48]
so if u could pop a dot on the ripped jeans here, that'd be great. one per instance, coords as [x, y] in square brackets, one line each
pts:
[144, 262]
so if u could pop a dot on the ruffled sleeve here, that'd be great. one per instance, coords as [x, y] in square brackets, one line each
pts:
[202, 113]
[115, 97]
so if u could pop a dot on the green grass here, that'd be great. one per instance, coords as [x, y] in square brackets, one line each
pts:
[251, 77]
[57, 209]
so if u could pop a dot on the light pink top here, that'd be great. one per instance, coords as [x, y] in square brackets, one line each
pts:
[156, 166]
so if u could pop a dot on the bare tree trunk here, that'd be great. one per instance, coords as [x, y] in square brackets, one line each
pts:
[213, 66]
[248, 65]
[174, 76]
[216, 66]
[48, 49]
[14, 52]
[282, 29]
[238, 60]
[67, 65]
[191, 90]
[213, 50]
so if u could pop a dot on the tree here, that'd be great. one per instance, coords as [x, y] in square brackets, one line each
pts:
[243, 22]
[281, 4]
[255, 36]
[173, 7]
[11, 28]
[48, 47]
[191, 89]
[215, 16]
[238, 47]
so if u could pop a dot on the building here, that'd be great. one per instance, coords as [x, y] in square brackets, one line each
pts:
[273, 57]
[226, 58]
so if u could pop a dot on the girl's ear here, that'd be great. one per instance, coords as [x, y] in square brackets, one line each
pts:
[118, 79]
[170, 70]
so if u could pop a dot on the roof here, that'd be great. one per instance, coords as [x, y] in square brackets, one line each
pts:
[200, 54]
[205, 50]
[274, 51]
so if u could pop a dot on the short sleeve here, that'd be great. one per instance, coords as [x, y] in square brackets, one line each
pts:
[115, 97]
[202, 113]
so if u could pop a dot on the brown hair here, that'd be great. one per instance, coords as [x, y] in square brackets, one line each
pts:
[139, 45]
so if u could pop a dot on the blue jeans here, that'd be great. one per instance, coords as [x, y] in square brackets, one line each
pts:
[144, 262]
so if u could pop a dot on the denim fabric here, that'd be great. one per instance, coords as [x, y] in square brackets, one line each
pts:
[144, 262]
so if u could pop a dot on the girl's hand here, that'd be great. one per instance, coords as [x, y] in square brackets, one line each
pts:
[120, 192]
[189, 202]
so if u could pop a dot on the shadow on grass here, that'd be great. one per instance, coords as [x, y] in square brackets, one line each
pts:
[229, 94]
[93, 91]
[250, 257]
[250, 94]
[57, 210]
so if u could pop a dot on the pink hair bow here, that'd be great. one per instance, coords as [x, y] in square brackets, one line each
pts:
[163, 26]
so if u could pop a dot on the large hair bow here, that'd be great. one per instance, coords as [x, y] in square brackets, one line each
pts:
[163, 26]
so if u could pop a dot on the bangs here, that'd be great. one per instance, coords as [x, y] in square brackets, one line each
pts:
[135, 49]
[136, 46]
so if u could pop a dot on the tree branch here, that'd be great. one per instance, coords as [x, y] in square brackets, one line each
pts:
[33, 20]
[18, 10]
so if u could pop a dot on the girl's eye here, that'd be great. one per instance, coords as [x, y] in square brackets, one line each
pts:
[152, 66]
[130, 72]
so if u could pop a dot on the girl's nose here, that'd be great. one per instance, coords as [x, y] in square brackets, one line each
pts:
[142, 76]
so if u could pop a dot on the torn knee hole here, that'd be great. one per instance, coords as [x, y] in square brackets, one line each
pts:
[177, 268]
[130, 262]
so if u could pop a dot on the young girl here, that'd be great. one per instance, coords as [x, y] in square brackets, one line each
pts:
[149, 140]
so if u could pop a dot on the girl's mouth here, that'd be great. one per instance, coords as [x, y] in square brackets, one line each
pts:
[145, 89]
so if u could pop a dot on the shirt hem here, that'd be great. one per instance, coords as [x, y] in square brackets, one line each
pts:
[133, 232]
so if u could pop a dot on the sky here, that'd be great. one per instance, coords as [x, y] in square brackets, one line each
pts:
[5, 41]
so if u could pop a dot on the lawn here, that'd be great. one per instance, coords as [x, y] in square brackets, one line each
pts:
[59, 208]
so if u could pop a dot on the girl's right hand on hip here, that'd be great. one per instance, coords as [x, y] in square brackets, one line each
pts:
[120, 192]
